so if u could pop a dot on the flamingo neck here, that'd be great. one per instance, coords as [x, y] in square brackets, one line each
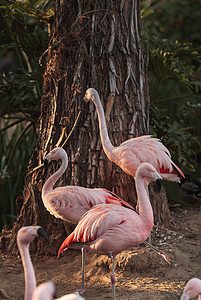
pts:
[29, 274]
[106, 143]
[145, 208]
[49, 184]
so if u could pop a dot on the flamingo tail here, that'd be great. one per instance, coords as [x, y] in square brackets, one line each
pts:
[123, 203]
[178, 171]
[66, 243]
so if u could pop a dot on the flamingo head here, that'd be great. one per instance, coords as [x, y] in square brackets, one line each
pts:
[149, 173]
[55, 154]
[90, 94]
[192, 289]
[44, 291]
[28, 233]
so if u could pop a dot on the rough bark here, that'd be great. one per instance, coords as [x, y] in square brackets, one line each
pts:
[94, 44]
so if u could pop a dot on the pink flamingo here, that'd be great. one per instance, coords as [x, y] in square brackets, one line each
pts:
[110, 229]
[192, 289]
[70, 203]
[133, 152]
[46, 291]
[24, 237]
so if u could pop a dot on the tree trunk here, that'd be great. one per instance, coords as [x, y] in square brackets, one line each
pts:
[94, 44]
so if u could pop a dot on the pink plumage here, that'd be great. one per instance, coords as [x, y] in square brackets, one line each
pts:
[133, 152]
[192, 289]
[100, 224]
[110, 229]
[70, 202]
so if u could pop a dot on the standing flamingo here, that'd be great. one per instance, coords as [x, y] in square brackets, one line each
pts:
[24, 237]
[192, 289]
[70, 203]
[133, 152]
[46, 291]
[110, 229]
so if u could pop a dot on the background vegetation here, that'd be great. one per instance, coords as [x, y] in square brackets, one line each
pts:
[172, 47]
[25, 33]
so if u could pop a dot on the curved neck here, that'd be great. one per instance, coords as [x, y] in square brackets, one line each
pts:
[145, 208]
[106, 143]
[29, 274]
[49, 184]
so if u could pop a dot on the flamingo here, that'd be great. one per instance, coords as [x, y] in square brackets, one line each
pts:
[192, 289]
[70, 203]
[46, 291]
[133, 152]
[24, 237]
[110, 229]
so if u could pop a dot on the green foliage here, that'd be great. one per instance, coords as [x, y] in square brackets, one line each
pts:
[173, 19]
[24, 38]
[15, 150]
[175, 90]
[175, 84]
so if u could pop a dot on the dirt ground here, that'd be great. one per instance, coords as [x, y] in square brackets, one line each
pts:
[140, 274]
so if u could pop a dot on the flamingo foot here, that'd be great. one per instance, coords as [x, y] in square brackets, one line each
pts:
[165, 257]
[160, 252]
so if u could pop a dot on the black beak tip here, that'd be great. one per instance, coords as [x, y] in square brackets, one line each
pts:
[159, 184]
[42, 233]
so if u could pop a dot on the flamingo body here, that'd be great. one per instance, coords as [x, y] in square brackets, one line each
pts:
[110, 229]
[192, 289]
[71, 202]
[133, 152]
[100, 229]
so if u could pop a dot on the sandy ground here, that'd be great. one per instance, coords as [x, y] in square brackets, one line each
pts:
[140, 274]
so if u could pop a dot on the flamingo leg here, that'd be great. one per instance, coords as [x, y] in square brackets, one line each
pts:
[160, 252]
[82, 290]
[113, 280]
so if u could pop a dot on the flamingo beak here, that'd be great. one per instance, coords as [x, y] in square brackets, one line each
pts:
[159, 183]
[41, 232]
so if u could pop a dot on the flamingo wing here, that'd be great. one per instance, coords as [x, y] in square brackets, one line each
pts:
[135, 151]
[94, 224]
[112, 198]
[71, 202]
